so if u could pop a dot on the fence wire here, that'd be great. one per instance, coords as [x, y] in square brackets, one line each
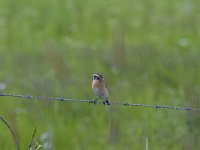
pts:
[62, 99]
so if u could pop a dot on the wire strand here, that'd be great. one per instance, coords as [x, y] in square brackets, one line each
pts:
[98, 102]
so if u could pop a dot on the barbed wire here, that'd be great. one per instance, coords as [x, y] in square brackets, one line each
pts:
[98, 102]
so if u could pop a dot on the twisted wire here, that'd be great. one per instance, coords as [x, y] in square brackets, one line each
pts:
[29, 97]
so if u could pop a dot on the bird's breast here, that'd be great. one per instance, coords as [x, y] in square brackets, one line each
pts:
[96, 84]
[100, 89]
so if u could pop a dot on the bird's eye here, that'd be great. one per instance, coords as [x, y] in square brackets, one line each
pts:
[96, 78]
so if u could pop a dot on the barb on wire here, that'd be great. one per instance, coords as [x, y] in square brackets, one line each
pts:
[99, 102]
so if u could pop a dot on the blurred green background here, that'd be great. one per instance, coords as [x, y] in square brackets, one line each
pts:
[148, 52]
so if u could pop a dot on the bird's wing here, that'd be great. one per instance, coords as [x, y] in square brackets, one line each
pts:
[106, 85]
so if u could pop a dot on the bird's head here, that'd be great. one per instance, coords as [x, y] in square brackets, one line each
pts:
[97, 76]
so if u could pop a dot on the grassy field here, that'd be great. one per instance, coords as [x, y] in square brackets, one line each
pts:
[148, 52]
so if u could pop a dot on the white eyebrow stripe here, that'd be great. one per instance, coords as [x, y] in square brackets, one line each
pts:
[98, 75]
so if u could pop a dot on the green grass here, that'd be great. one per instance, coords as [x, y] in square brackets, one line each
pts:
[147, 51]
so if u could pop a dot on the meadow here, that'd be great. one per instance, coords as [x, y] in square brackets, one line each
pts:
[148, 52]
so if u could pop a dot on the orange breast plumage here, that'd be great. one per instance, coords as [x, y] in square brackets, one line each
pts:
[96, 84]
[100, 89]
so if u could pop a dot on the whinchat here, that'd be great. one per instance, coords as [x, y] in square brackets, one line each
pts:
[100, 88]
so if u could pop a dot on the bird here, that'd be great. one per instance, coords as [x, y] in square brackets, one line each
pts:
[100, 88]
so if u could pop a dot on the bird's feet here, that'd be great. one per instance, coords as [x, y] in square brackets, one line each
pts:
[96, 100]
[106, 102]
